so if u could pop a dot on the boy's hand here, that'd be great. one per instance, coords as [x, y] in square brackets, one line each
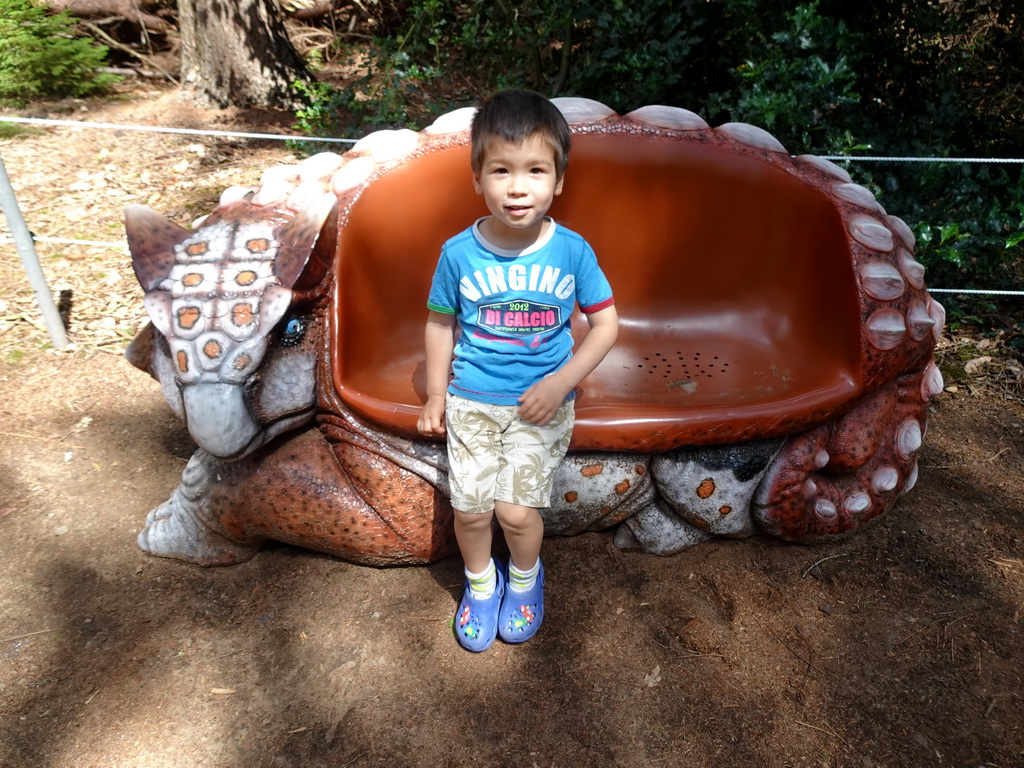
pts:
[431, 420]
[540, 402]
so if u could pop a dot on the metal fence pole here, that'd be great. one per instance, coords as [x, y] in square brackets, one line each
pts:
[27, 250]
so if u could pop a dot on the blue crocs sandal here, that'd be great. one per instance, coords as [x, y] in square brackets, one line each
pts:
[476, 621]
[522, 612]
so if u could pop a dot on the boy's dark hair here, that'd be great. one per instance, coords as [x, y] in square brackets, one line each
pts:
[516, 115]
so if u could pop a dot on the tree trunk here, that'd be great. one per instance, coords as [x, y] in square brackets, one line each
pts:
[237, 53]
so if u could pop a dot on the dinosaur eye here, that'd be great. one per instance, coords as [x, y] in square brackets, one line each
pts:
[293, 331]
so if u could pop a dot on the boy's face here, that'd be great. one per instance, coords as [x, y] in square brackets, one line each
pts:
[518, 182]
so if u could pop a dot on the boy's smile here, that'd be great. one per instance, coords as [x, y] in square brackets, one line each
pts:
[518, 181]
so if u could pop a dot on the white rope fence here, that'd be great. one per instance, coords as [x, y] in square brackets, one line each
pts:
[290, 137]
[871, 159]
[976, 290]
[285, 137]
[161, 129]
[69, 241]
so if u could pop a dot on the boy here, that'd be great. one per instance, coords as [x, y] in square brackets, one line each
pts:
[511, 282]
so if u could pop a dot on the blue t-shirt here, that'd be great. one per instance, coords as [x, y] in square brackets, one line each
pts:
[513, 308]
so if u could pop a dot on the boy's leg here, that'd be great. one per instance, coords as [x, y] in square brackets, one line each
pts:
[524, 532]
[531, 456]
[525, 481]
[473, 533]
[476, 619]
[474, 432]
[474, 448]
[522, 608]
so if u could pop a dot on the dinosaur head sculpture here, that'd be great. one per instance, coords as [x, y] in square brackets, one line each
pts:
[218, 297]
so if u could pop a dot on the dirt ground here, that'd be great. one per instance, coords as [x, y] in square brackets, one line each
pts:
[899, 646]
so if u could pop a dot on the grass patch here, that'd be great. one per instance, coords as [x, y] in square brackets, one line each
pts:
[18, 130]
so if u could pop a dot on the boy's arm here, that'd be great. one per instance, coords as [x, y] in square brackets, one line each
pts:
[439, 339]
[539, 403]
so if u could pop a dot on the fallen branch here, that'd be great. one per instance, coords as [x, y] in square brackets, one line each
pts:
[1008, 565]
[42, 439]
[812, 566]
[148, 61]
[996, 456]
[825, 731]
[701, 655]
[788, 647]
[30, 634]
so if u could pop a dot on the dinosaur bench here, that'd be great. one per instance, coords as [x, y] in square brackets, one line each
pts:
[772, 370]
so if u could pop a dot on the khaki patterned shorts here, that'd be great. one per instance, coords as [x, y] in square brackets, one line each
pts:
[493, 455]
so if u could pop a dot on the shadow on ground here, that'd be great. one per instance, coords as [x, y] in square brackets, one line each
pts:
[899, 646]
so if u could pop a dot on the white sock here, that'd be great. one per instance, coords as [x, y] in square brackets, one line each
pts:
[483, 584]
[523, 581]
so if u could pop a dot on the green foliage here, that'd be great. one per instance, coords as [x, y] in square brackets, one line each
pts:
[937, 79]
[40, 58]
[320, 117]
[799, 81]
[974, 237]
[17, 130]
[494, 44]
[624, 53]
[388, 94]
[627, 54]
